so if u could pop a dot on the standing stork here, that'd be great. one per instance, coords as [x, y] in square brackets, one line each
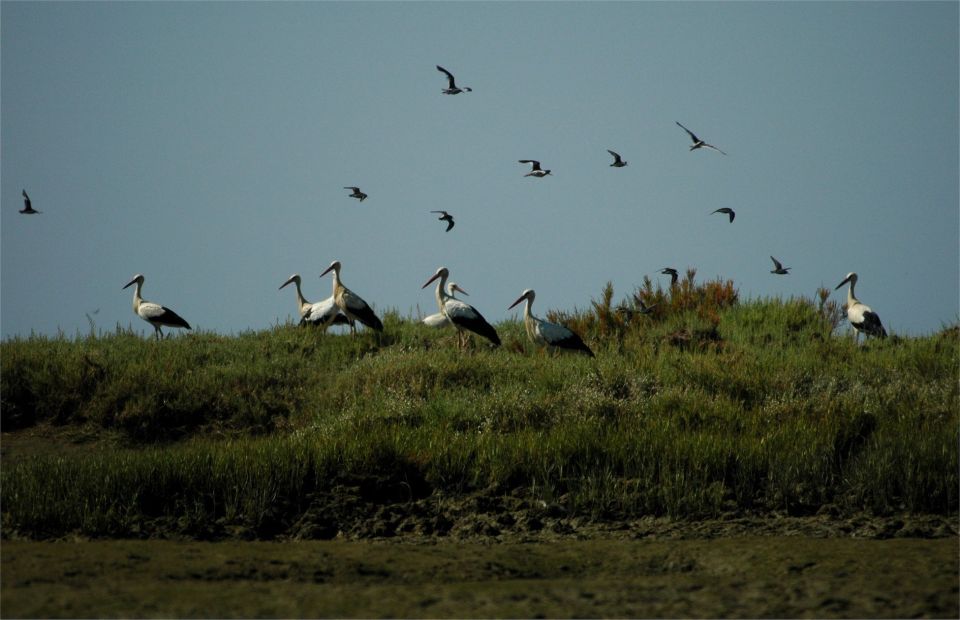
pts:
[674, 276]
[440, 319]
[152, 313]
[859, 314]
[462, 315]
[322, 313]
[351, 304]
[550, 335]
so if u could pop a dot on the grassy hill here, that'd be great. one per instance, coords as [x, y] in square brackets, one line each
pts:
[706, 406]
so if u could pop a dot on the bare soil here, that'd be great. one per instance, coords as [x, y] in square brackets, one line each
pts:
[620, 576]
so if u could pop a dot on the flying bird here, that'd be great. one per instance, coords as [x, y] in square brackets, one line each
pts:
[440, 319]
[27, 206]
[152, 313]
[351, 304]
[356, 193]
[859, 314]
[728, 211]
[697, 142]
[446, 217]
[617, 160]
[452, 88]
[322, 313]
[670, 271]
[778, 268]
[537, 171]
[550, 335]
[462, 315]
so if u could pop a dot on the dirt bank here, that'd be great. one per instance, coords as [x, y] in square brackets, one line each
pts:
[779, 576]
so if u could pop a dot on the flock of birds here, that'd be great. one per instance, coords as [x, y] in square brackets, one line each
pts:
[344, 307]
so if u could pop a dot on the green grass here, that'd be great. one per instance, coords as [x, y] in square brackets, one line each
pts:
[750, 406]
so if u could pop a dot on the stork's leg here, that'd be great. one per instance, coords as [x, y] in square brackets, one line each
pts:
[159, 333]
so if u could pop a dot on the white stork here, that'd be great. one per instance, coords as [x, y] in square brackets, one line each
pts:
[152, 313]
[550, 335]
[462, 315]
[351, 304]
[322, 313]
[440, 319]
[859, 314]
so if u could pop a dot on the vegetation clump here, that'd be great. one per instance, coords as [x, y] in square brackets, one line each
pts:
[706, 405]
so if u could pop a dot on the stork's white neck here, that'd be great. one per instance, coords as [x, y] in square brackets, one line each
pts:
[137, 300]
[441, 293]
[336, 280]
[300, 299]
[851, 298]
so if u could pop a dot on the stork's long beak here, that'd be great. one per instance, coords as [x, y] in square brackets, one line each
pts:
[326, 271]
[289, 280]
[522, 297]
[129, 283]
[457, 288]
[427, 283]
[845, 280]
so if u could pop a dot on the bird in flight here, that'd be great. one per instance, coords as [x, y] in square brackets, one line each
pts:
[728, 211]
[27, 207]
[452, 88]
[356, 193]
[537, 171]
[446, 217]
[778, 268]
[697, 142]
[617, 160]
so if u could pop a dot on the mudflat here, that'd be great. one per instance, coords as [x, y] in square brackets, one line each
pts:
[600, 576]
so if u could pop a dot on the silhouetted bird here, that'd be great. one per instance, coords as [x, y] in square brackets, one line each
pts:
[697, 142]
[617, 160]
[778, 268]
[452, 88]
[670, 271]
[27, 207]
[537, 171]
[445, 217]
[356, 193]
[728, 211]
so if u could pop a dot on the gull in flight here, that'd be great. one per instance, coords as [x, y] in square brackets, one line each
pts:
[697, 142]
[778, 268]
[452, 88]
[537, 171]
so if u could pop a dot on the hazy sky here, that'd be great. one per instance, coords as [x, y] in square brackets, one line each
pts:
[205, 145]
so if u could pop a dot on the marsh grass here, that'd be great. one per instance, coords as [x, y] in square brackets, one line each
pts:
[723, 406]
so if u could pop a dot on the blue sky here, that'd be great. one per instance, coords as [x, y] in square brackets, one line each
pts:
[206, 145]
